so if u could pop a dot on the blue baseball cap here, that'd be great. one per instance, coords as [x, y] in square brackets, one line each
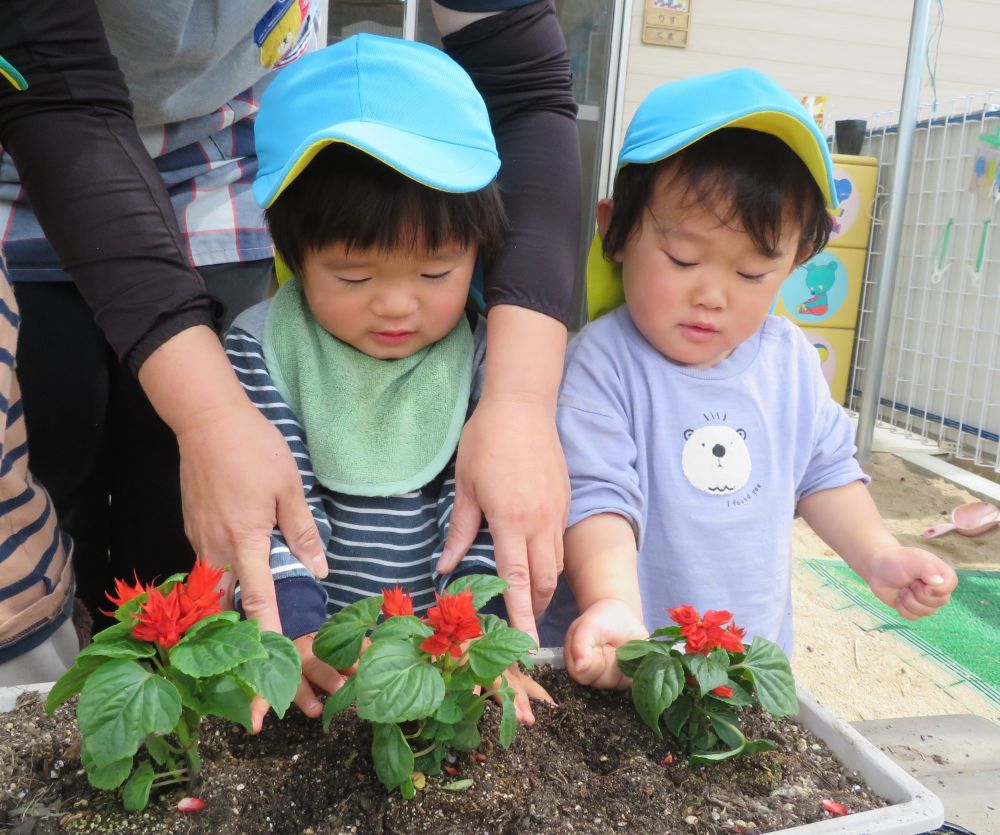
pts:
[679, 113]
[405, 103]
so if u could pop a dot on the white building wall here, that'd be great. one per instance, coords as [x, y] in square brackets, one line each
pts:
[852, 51]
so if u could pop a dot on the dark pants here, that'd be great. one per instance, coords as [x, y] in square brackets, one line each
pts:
[109, 463]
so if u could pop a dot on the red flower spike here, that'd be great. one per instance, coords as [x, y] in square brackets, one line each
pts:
[200, 587]
[454, 621]
[191, 804]
[835, 807]
[396, 602]
[159, 618]
[703, 634]
[123, 594]
[723, 691]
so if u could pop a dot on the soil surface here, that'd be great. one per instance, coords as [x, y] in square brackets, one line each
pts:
[588, 765]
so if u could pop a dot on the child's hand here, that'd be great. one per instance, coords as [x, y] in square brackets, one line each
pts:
[913, 581]
[592, 639]
[316, 675]
[525, 689]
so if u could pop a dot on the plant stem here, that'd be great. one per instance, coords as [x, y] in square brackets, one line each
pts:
[189, 742]
[417, 732]
[426, 750]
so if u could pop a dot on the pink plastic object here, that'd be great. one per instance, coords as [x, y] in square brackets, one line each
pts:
[968, 519]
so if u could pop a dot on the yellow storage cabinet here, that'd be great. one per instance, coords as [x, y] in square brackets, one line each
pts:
[826, 290]
[834, 346]
[855, 179]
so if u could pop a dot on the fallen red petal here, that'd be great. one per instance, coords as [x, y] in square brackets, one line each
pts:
[191, 804]
[667, 760]
[450, 770]
[479, 756]
[835, 807]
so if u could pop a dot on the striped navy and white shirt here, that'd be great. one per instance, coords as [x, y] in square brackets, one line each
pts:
[371, 542]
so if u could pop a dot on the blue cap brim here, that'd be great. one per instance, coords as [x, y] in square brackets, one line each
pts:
[431, 162]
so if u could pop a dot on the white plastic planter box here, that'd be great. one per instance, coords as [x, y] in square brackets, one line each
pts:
[914, 809]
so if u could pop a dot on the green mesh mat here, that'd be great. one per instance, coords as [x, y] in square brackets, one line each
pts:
[963, 636]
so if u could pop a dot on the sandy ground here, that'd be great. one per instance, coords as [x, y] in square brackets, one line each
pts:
[875, 675]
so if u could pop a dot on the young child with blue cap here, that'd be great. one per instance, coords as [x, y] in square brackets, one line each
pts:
[377, 177]
[695, 425]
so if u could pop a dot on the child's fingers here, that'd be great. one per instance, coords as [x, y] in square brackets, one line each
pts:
[910, 605]
[305, 699]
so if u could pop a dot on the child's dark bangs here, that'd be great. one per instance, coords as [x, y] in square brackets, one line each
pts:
[347, 197]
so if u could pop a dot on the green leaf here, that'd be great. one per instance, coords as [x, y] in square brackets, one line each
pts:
[189, 689]
[277, 678]
[755, 746]
[106, 777]
[448, 711]
[466, 737]
[484, 587]
[397, 683]
[671, 633]
[392, 754]
[113, 633]
[772, 677]
[740, 697]
[124, 646]
[710, 757]
[71, 682]
[658, 680]
[490, 655]
[211, 620]
[457, 785]
[438, 731]
[727, 727]
[121, 704]
[630, 654]
[227, 697]
[338, 701]
[407, 789]
[401, 627]
[338, 642]
[218, 648]
[708, 674]
[135, 795]
[508, 718]
[678, 714]
[491, 623]
[430, 763]
[158, 749]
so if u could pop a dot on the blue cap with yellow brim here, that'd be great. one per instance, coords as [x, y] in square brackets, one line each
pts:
[404, 103]
[679, 113]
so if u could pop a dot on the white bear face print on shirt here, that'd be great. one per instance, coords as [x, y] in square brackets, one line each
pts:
[716, 459]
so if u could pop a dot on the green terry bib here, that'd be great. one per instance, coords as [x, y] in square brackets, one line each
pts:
[373, 427]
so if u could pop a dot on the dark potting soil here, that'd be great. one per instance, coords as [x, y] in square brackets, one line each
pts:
[587, 766]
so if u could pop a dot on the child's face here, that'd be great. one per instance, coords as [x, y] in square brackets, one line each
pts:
[388, 305]
[695, 288]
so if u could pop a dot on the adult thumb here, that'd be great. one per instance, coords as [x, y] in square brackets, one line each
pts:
[466, 516]
[297, 525]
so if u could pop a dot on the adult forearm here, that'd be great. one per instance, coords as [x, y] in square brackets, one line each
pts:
[91, 183]
[525, 352]
[519, 63]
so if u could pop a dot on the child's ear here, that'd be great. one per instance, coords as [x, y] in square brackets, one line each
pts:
[604, 207]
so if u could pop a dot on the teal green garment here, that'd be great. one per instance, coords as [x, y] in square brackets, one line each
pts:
[373, 427]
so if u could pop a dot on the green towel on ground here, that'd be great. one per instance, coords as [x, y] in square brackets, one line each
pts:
[373, 427]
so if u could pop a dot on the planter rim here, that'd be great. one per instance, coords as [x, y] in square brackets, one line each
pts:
[914, 808]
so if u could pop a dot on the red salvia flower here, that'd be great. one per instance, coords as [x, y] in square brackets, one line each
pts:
[164, 618]
[159, 618]
[199, 590]
[703, 634]
[723, 691]
[396, 602]
[123, 594]
[454, 621]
